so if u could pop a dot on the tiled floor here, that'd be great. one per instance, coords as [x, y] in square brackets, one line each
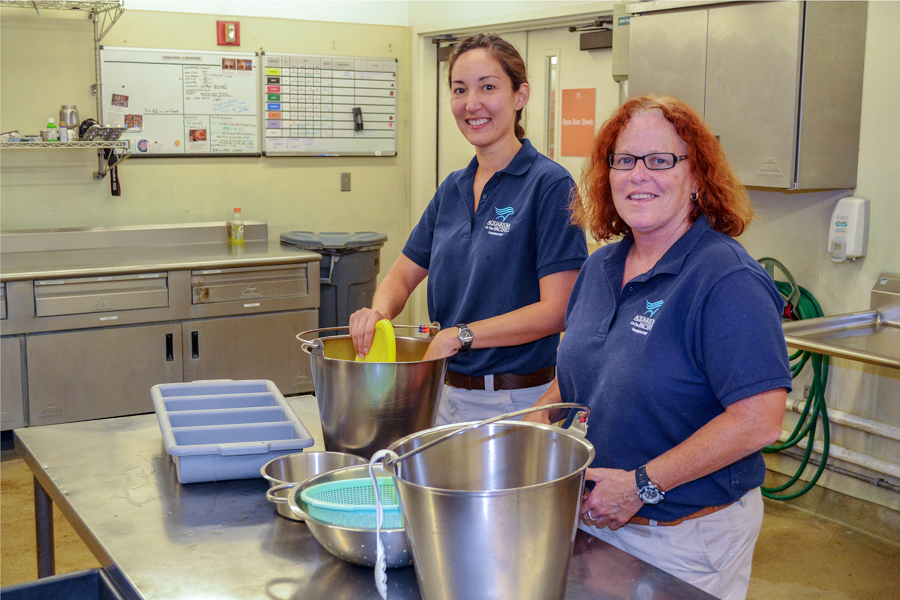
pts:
[798, 557]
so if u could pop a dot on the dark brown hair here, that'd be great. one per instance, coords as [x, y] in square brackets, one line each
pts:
[504, 53]
[720, 195]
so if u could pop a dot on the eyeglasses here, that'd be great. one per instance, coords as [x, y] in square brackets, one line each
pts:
[658, 161]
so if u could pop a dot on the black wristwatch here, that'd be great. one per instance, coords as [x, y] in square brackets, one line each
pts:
[466, 336]
[648, 493]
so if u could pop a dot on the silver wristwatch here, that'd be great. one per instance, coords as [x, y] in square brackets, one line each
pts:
[465, 336]
[649, 493]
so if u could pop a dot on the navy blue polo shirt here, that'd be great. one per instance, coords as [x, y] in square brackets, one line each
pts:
[488, 263]
[662, 357]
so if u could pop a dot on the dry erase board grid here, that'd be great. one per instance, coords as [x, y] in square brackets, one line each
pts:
[182, 102]
[309, 103]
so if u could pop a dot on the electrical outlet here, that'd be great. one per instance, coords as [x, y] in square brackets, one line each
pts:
[345, 182]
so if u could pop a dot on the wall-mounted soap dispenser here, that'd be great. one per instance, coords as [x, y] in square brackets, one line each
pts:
[848, 229]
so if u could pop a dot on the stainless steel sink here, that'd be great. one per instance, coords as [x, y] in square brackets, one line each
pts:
[870, 336]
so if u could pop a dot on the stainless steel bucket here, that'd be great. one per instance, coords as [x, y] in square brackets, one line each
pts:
[364, 407]
[493, 512]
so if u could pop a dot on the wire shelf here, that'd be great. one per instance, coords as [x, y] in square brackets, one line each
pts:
[119, 144]
[98, 5]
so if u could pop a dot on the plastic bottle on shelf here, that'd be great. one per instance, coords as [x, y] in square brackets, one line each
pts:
[52, 131]
[237, 228]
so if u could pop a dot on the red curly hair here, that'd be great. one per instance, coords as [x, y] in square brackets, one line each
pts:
[720, 195]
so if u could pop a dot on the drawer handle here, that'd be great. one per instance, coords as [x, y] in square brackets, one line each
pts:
[170, 353]
[195, 344]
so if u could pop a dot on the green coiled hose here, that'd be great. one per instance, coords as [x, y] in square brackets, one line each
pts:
[803, 305]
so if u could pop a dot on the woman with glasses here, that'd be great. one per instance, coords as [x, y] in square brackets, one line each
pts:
[673, 338]
[497, 245]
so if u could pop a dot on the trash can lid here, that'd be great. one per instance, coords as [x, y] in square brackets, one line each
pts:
[333, 241]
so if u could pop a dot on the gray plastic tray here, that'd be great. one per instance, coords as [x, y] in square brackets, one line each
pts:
[222, 429]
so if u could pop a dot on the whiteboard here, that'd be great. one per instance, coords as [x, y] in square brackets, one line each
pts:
[182, 102]
[308, 103]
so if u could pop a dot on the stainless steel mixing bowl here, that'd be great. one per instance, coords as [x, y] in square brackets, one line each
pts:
[284, 472]
[351, 544]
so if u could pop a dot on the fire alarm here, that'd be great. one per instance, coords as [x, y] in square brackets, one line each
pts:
[228, 33]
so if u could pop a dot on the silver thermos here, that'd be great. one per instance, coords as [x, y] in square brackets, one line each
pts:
[68, 118]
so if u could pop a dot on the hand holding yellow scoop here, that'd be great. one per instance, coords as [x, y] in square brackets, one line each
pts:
[384, 346]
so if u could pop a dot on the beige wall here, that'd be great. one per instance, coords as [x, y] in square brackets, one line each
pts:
[47, 61]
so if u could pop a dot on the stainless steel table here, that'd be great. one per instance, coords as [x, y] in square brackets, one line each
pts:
[161, 540]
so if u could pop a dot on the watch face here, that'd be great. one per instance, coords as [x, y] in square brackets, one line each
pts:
[650, 495]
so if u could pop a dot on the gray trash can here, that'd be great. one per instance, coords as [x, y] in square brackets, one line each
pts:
[347, 273]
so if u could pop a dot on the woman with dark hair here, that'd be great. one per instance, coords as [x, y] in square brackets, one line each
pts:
[674, 340]
[498, 242]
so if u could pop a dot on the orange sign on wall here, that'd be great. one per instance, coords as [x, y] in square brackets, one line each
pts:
[577, 121]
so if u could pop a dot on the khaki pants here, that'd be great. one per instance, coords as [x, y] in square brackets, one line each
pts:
[460, 406]
[714, 552]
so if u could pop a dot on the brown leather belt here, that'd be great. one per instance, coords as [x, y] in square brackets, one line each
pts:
[700, 513]
[502, 381]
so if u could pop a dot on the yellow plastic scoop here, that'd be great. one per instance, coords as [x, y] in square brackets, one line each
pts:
[384, 346]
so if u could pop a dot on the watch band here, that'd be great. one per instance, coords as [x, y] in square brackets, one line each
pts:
[647, 491]
[465, 336]
[640, 476]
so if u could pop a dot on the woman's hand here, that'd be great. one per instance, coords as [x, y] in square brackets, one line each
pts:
[444, 344]
[613, 500]
[362, 329]
[551, 396]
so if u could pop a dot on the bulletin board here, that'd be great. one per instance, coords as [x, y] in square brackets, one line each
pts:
[319, 105]
[182, 102]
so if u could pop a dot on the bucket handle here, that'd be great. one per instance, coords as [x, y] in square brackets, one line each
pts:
[317, 347]
[568, 422]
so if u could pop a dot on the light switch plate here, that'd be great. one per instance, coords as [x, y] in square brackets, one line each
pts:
[345, 182]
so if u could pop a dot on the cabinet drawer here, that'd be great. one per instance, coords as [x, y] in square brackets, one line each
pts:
[251, 283]
[85, 295]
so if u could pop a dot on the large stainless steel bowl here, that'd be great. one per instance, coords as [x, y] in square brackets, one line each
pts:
[357, 546]
[284, 472]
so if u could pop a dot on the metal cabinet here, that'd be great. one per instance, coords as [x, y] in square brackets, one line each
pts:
[780, 83]
[251, 347]
[98, 373]
[12, 396]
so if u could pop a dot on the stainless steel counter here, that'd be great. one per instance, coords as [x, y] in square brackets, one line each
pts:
[161, 540]
[20, 266]
[870, 336]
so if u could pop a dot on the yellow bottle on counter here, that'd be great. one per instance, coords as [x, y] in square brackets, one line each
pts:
[236, 234]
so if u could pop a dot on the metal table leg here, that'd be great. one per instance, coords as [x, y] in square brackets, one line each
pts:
[43, 526]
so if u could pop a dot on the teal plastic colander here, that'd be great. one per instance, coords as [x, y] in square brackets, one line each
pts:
[351, 503]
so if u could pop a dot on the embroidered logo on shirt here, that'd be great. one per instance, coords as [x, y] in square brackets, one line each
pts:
[652, 307]
[642, 324]
[499, 226]
[504, 213]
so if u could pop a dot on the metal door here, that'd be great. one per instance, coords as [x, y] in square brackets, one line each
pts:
[99, 373]
[667, 56]
[753, 88]
[251, 347]
[12, 398]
